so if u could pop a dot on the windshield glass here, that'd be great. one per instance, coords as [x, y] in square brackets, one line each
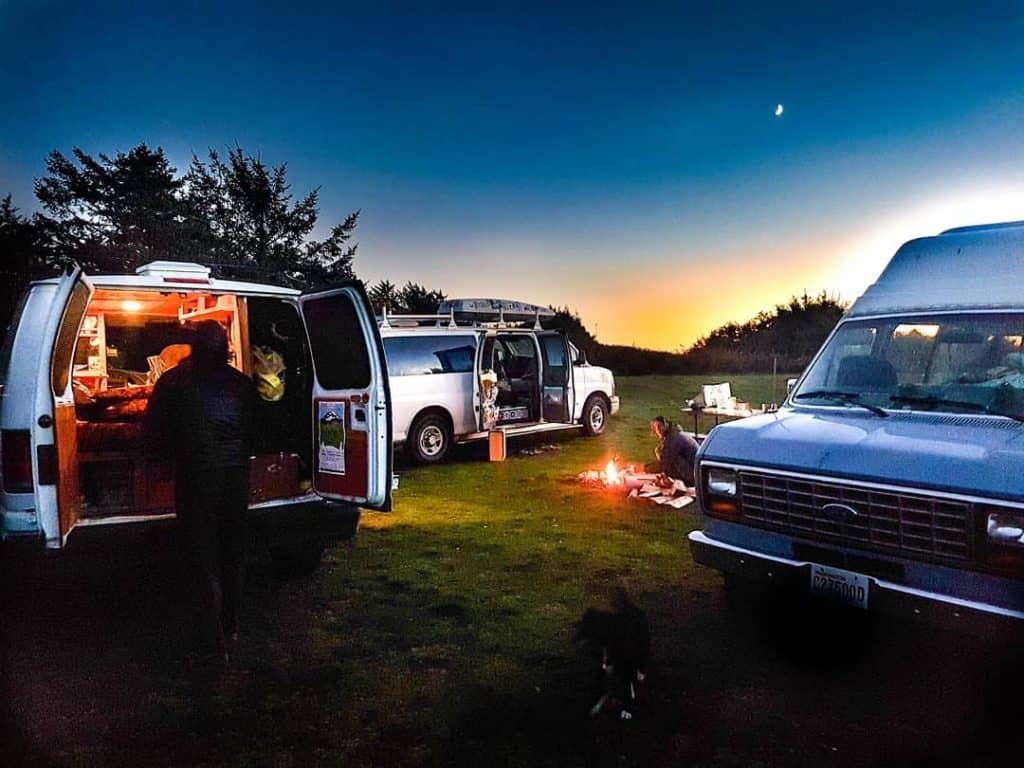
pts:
[954, 363]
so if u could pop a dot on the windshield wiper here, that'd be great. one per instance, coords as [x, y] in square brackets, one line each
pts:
[839, 396]
[934, 401]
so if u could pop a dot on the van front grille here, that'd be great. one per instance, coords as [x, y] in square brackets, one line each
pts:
[886, 521]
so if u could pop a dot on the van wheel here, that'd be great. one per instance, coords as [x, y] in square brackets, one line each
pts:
[430, 439]
[595, 415]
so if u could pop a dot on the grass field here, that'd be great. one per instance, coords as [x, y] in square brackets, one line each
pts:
[448, 627]
[442, 636]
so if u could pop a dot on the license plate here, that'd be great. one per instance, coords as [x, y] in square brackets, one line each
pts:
[845, 586]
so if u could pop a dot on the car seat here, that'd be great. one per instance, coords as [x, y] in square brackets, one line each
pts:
[866, 372]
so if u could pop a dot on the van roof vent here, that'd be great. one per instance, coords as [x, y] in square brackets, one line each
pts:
[173, 269]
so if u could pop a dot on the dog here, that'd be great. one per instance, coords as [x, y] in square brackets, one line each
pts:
[621, 639]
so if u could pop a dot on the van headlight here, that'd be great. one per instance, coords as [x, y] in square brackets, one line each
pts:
[721, 482]
[1005, 527]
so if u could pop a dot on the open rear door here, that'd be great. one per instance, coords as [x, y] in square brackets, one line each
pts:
[557, 378]
[55, 428]
[351, 398]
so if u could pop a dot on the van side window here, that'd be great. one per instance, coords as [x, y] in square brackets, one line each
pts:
[340, 357]
[418, 355]
[555, 372]
[67, 338]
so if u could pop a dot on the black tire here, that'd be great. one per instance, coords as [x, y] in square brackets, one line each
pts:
[595, 415]
[430, 439]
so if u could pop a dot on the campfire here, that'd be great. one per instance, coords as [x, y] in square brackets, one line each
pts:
[635, 484]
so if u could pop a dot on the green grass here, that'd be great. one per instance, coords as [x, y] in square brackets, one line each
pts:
[449, 620]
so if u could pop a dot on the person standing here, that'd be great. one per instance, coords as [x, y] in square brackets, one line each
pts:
[203, 412]
[677, 453]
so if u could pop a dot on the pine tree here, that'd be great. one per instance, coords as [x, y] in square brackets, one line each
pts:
[23, 256]
[246, 210]
[112, 214]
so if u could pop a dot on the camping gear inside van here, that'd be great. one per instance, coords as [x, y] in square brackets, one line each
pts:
[131, 338]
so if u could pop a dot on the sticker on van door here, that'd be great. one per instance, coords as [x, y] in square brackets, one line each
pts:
[331, 454]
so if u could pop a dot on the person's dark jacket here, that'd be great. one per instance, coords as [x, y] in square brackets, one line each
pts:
[678, 455]
[204, 415]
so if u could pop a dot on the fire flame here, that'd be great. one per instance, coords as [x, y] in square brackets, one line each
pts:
[611, 474]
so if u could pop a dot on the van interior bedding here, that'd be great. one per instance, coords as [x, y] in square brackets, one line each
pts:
[128, 340]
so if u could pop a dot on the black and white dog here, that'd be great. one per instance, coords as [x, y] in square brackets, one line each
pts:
[621, 639]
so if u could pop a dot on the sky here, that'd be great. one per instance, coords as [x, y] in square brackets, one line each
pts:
[623, 160]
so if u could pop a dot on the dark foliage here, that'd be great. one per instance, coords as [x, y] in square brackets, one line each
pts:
[111, 214]
[24, 256]
[787, 336]
[412, 298]
[243, 211]
[571, 324]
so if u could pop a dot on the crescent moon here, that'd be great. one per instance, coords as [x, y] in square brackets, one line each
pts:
[778, 110]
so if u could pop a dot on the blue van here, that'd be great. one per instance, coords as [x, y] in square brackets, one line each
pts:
[892, 478]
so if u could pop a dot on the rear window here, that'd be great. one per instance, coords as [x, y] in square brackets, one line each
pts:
[340, 357]
[418, 355]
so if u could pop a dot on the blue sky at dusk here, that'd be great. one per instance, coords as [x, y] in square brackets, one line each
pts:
[623, 160]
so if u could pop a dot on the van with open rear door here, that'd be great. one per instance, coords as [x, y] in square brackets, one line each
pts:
[486, 365]
[80, 360]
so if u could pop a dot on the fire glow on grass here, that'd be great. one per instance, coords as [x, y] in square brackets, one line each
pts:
[627, 480]
[614, 476]
[611, 475]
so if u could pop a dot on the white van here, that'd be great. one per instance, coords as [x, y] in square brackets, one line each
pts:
[79, 362]
[442, 368]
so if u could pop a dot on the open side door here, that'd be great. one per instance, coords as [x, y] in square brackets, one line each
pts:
[55, 434]
[484, 362]
[351, 400]
[556, 381]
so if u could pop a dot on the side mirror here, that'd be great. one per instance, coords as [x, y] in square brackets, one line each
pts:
[790, 386]
[581, 357]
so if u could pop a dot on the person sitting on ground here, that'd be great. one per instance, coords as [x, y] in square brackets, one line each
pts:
[677, 452]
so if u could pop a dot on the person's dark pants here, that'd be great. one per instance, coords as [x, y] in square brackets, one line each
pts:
[679, 470]
[212, 506]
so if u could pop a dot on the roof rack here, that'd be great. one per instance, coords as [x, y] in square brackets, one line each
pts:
[391, 320]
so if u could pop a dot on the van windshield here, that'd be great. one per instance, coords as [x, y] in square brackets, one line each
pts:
[964, 363]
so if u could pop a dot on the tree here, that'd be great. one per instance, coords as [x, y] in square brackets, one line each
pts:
[112, 214]
[23, 256]
[790, 334]
[384, 296]
[417, 300]
[246, 211]
[572, 325]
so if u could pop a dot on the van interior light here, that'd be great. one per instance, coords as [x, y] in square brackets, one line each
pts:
[130, 305]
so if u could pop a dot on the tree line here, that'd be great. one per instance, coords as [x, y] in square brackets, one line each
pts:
[783, 338]
[232, 212]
